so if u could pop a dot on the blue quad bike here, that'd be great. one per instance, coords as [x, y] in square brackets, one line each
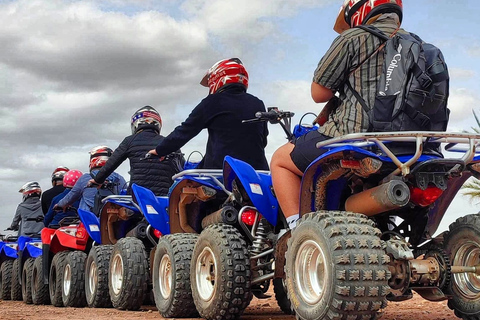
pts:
[10, 287]
[29, 249]
[370, 207]
[220, 239]
[117, 269]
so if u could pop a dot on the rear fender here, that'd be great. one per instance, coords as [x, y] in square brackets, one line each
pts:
[65, 239]
[92, 224]
[153, 208]
[257, 185]
[34, 248]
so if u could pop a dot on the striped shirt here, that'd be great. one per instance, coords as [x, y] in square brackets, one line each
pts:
[353, 56]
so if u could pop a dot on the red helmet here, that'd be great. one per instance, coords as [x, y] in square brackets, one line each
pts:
[356, 12]
[146, 116]
[30, 189]
[58, 173]
[71, 177]
[99, 156]
[227, 71]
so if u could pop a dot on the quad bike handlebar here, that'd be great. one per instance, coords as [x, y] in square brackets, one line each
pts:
[274, 116]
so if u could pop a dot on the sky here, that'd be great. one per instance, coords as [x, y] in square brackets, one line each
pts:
[73, 72]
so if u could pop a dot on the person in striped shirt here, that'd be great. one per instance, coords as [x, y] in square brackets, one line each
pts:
[353, 61]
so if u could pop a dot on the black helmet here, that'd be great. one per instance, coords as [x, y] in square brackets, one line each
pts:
[146, 117]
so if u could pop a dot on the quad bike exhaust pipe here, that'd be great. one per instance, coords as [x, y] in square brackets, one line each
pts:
[389, 196]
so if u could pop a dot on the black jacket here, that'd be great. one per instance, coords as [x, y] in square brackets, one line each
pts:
[222, 114]
[48, 195]
[151, 173]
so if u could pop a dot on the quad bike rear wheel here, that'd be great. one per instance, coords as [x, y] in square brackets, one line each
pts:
[462, 244]
[96, 277]
[6, 279]
[336, 267]
[39, 288]
[220, 273]
[16, 286]
[55, 279]
[27, 280]
[73, 288]
[171, 276]
[128, 274]
[281, 295]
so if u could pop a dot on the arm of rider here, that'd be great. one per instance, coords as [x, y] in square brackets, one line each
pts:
[320, 93]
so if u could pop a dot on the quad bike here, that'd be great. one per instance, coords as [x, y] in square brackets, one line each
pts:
[9, 284]
[369, 208]
[29, 249]
[58, 274]
[117, 270]
[220, 243]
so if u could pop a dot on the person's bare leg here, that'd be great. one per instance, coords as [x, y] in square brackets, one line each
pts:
[286, 179]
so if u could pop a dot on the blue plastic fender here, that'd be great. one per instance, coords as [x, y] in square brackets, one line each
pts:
[10, 250]
[154, 208]
[92, 224]
[257, 185]
[30, 246]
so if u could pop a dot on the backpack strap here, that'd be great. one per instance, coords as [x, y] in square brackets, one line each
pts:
[375, 31]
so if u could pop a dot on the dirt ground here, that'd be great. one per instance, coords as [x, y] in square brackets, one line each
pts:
[416, 308]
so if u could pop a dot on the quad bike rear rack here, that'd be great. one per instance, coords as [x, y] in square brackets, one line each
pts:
[466, 143]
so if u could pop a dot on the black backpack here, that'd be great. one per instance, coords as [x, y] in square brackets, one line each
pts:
[414, 85]
[106, 189]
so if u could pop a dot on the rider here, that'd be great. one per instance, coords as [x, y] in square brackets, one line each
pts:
[80, 191]
[354, 58]
[57, 188]
[52, 218]
[28, 219]
[222, 112]
[146, 125]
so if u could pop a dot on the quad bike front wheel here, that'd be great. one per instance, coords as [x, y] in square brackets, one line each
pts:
[128, 274]
[336, 267]
[220, 273]
[39, 288]
[462, 244]
[73, 287]
[16, 289]
[96, 277]
[171, 275]
[6, 279]
[27, 280]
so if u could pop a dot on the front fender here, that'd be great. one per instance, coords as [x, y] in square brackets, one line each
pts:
[154, 208]
[92, 224]
[258, 186]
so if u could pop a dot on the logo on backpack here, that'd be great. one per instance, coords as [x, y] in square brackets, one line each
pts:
[413, 87]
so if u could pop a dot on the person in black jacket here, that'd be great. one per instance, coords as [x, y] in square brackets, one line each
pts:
[146, 124]
[56, 189]
[222, 113]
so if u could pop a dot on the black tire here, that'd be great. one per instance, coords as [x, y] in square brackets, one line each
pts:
[16, 286]
[281, 296]
[27, 280]
[336, 267]
[73, 288]
[171, 276]
[6, 280]
[39, 288]
[128, 274]
[220, 273]
[55, 278]
[462, 245]
[96, 277]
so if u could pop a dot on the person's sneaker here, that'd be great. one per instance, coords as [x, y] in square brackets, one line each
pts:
[292, 221]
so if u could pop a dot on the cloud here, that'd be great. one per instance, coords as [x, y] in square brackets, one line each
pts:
[461, 103]
[461, 74]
